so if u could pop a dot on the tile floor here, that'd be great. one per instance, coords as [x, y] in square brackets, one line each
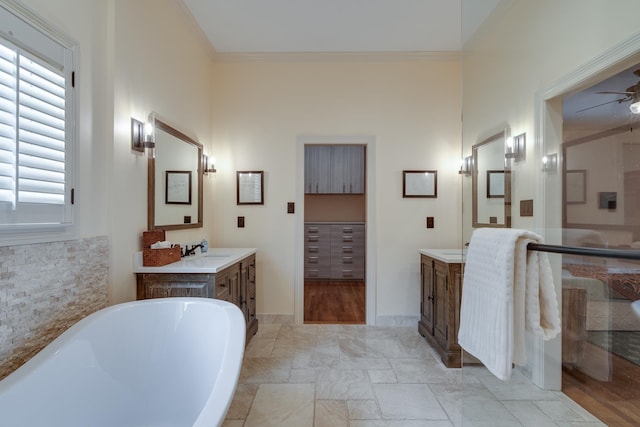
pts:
[366, 376]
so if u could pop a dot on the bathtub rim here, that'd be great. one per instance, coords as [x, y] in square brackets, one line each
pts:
[212, 411]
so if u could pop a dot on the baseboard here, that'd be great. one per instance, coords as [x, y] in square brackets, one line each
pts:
[397, 321]
[275, 318]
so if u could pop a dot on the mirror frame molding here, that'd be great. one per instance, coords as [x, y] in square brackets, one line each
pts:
[151, 177]
[504, 134]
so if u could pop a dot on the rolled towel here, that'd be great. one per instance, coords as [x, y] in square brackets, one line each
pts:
[161, 245]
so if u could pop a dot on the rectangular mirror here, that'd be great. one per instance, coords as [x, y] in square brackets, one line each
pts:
[174, 195]
[491, 183]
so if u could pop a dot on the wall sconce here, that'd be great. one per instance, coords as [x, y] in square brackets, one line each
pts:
[550, 163]
[150, 135]
[208, 164]
[516, 148]
[466, 166]
[137, 135]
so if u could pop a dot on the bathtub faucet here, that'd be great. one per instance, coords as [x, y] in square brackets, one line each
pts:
[190, 251]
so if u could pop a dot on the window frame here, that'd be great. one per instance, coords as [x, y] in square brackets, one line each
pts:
[35, 36]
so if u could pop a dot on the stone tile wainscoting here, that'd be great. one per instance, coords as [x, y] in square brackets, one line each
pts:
[44, 289]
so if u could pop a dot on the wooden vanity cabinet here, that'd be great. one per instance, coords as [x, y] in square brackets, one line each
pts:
[247, 296]
[235, 284]
[441, 290]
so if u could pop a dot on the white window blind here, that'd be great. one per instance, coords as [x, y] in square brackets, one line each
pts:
[35, 136]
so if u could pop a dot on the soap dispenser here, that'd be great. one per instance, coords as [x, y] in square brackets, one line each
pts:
[205, 245]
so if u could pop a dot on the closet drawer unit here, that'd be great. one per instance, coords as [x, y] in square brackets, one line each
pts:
[316, 267]
[347, 240]
[348, 271]
[317, 251]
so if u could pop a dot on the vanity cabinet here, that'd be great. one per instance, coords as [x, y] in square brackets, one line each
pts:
[334, 251]
[235, 284]
[441, 290]
[334, 169]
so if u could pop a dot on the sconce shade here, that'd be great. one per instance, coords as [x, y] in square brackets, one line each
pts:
[635, 107]
[207, 165]
[550, 162]
[466, 166]
[517, 148]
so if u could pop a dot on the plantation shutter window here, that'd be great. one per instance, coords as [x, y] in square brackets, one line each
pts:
[35, 128]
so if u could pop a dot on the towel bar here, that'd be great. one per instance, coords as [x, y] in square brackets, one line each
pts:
[574, 250]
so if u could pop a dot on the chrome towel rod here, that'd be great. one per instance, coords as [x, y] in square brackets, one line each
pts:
[574, 250]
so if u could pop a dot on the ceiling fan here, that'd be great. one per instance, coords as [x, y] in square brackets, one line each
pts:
[632, 93]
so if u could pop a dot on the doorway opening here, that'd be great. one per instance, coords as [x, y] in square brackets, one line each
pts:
[335, 208]
[600, 178]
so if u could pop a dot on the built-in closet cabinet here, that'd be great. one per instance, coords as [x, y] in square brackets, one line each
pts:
[334, 169]
[334, 251]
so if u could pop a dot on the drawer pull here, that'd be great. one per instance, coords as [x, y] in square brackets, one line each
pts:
[313, 249]
[347, 230]
[347, 249]
[312, 229]
[312, 259]
[347, 273]
[347, 260]
[347, 238]
[313, 238]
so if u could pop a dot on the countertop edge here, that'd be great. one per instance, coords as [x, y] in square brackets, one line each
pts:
[185, 266]
[456, 258]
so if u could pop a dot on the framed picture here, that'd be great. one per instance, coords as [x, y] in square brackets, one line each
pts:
[250, 187]
[177, 189]
[576, 186]
[495, 184]
[421, 183]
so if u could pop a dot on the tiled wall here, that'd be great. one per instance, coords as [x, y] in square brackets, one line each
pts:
[44, 289]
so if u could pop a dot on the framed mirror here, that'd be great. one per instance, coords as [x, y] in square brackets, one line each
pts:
[491, 183]
[174, 193]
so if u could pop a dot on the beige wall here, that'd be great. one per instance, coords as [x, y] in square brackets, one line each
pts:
[159, 65]
[523, 53]
[412, 111]
[143, 56]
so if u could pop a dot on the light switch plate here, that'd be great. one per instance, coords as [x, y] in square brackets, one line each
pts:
[240, 222]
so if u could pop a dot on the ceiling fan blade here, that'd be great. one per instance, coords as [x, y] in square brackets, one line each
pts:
[619, 101]
[618, 93]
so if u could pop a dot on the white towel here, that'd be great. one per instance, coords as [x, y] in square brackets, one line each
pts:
[505, 289]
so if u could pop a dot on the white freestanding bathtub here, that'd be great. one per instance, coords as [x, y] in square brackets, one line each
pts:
[157, 362]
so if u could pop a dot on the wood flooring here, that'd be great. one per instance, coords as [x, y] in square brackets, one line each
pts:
[334, 302]
[611, 392]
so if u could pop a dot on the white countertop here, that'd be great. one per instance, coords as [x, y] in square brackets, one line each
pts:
[446, 255]
[212, 261]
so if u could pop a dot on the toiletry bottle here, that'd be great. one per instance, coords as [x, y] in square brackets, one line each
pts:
[205, 245]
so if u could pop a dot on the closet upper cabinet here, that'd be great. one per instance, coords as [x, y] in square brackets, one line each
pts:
[334, 169]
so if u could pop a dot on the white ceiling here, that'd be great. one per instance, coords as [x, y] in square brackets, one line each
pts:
[285, 26]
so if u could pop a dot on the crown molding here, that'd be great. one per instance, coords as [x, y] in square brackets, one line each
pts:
[335, 56]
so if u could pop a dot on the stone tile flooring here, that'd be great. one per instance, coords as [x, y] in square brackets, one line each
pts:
[367, 376]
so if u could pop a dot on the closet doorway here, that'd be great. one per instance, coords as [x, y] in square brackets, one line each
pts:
[335, 210]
